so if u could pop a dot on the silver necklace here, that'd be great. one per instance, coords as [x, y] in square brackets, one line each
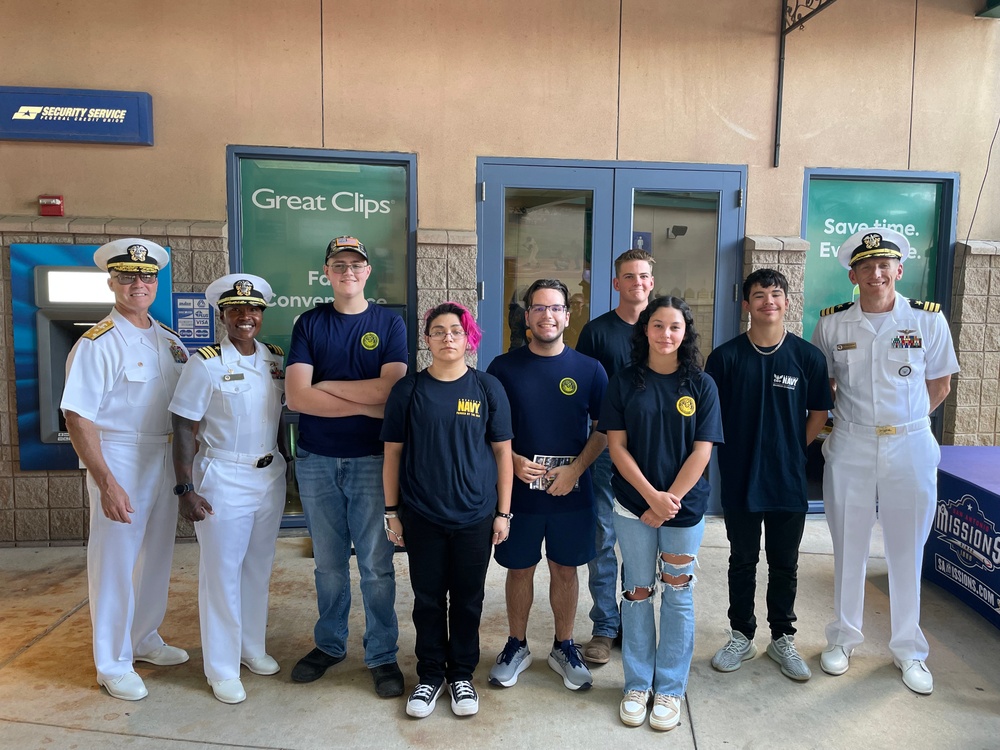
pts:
[784, 332]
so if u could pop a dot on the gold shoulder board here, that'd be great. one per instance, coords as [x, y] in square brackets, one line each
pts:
[99, 330]
[207, 352]
[275, 349]
[931, 307]
[168, 328]
[835, 309]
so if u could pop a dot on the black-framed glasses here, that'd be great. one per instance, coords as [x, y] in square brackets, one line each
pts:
[456, 333]
[540, 309]
[125, 279]
[339, 268]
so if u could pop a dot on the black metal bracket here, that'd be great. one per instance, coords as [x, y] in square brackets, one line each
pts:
[794, 15]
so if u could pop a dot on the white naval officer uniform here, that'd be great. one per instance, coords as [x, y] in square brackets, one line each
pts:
[122, 378]
[882, 457]
[238, 402]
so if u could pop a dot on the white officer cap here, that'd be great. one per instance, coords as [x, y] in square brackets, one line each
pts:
[873, 242]
[238, 289]
[131, 255]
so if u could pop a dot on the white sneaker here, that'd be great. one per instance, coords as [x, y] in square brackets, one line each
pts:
[666, 713]
[632, 711]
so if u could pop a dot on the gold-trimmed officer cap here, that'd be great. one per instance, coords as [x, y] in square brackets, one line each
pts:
[238, 289]
[131, 255]
[340, 244]
[873, 242]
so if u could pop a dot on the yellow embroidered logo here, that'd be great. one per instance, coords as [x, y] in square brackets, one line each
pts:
[567, 386]
[468, 407]
[685, 405]
[370, 341]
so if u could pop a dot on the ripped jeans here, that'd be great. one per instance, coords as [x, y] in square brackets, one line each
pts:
[663, 665]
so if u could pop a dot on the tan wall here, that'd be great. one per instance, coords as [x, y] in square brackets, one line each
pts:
[220, 72]
[455, 79]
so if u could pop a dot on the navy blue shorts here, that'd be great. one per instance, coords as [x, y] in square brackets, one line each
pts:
[570, 539]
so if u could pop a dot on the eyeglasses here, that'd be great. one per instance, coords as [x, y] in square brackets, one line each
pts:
[339, 268]
[540, 309]
[441, 335]
[125, 279]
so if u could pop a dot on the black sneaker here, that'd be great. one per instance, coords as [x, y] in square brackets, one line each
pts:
[313, 665]
[423, 699]
[464, 698]
[388, 680]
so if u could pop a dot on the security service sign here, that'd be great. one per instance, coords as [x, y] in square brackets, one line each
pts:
[962, 554]
[76, 115]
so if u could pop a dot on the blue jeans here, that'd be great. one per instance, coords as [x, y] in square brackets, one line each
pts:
[343, 501]
[664, 665]
[604, 567]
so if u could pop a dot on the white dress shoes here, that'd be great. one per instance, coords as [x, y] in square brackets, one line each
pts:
[835, 660]
[164, 656]
[127, 687]
[261, 665]
[229, 691]
[916, 676]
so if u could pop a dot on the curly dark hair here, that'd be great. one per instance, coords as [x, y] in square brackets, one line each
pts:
[689, 359]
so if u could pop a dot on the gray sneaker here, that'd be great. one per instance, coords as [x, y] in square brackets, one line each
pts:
[730, 657]
[567, 661]
[783, 651]
[513, 660]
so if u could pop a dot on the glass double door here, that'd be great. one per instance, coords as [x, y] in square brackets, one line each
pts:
[570, 223]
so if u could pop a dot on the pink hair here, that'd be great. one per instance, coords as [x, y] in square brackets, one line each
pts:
[473, 333]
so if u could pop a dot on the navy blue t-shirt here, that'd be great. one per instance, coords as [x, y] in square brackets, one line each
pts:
[449, 472]
[662, 423]
[345, 347]
[608, 339]
[552, 402]
[764, 403]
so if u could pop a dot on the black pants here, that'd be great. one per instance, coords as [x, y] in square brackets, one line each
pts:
[782, 535]
[448, 576]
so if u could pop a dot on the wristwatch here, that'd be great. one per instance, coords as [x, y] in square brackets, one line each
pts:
[183, 489]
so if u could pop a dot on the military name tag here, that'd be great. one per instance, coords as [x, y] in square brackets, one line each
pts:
[233, 376]
[845, 347]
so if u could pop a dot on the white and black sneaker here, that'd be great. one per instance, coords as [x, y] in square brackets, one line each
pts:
[421, 702]
[464, 698]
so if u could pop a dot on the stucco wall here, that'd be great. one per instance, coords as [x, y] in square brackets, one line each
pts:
[898, 84]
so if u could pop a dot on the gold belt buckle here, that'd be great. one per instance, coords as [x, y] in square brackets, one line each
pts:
[885, 430]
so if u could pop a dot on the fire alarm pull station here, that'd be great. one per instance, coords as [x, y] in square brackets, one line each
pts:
[50, 205]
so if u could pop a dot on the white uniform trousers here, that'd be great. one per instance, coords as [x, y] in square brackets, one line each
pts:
[128, 565]
[898, 475]
[237, 552]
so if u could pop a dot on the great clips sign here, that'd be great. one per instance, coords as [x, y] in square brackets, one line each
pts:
[77, 115]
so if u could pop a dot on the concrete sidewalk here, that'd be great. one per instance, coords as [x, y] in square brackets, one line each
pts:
[49, 697]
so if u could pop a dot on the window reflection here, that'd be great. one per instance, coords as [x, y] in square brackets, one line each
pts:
[547, 234]
[681, 231]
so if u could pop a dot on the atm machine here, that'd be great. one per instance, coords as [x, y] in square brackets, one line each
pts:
[70, 301]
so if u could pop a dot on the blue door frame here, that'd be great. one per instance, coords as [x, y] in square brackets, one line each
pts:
[613, 184]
